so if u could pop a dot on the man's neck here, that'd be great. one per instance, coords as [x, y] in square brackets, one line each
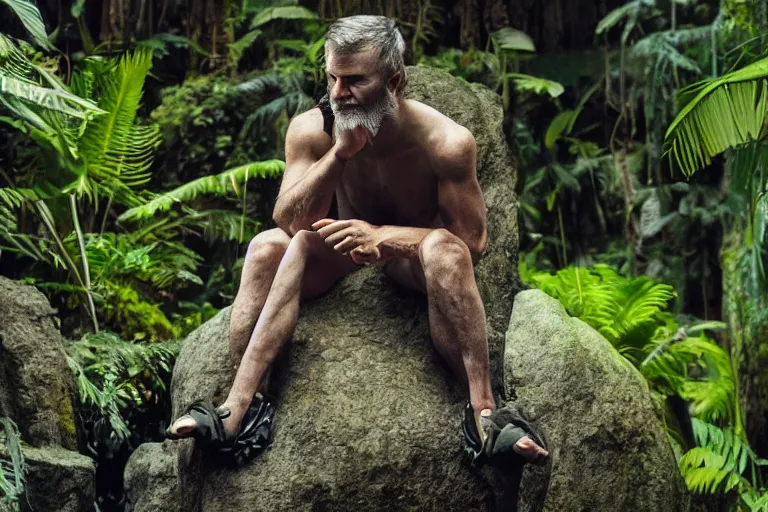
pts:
[391, 135]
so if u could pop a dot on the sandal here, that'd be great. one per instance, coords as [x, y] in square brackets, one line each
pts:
[253, 436]
[493, 441]
[209, 426]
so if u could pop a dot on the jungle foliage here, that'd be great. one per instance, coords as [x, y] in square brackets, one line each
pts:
[143, 150]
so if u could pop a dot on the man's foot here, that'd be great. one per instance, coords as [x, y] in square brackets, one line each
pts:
[501, 437]
[236, 434]
[526, 446]
[231, 415]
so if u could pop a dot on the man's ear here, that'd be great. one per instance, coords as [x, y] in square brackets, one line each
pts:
[395, 82]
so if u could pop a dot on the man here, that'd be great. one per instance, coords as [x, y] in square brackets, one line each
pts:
[405, 184]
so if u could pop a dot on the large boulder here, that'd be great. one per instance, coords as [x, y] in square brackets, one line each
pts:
[608, 448]
[36, 385]
[57, 480]
[151, 479]
[368, 418]
[36, 390]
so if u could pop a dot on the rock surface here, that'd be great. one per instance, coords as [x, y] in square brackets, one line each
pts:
[58, 480]
[36, 389]
[151, 480]
[36, 385]
[609, 450]
[368, 419]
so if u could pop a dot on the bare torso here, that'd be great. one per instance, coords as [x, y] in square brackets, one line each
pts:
[397, 184]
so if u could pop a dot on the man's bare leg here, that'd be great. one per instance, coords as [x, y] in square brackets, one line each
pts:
[307, 269]
[445, 273]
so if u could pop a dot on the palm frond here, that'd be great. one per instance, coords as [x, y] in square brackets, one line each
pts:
[113, 146]
[727, 112]
[27, 12]
[230, 181]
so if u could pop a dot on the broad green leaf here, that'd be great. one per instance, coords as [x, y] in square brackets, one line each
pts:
[27, 12]
[512, 39]
[291, 12]
[556, 128]
[78, 8]
[59, 100]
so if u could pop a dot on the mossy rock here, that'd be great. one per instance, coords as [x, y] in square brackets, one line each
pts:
[36, 385]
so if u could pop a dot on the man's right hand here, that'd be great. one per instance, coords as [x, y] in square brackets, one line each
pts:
[350, 142]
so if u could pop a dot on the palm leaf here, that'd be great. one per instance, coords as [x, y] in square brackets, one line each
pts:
[27, 12]
[113, 146]
[727, 112]
[230, 181]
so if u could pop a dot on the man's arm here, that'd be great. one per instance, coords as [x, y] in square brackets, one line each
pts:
[312, 171]
[460, 202]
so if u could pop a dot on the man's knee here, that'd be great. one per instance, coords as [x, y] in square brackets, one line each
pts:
[306, 242]
[444, 256]
[268, 247]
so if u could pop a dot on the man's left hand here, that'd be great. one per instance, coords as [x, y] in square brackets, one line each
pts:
[356, 237]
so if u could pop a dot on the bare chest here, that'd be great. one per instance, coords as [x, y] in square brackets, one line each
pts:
[395, 191]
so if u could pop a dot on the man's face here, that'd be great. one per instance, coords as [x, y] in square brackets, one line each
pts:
[358, 91]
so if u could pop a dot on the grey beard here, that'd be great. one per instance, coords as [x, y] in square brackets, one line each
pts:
[368, 116]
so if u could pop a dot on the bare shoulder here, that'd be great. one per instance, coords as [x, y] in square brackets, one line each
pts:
[305, 135]
[451, 146]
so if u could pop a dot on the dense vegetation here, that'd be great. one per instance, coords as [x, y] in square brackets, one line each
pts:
[144, 143]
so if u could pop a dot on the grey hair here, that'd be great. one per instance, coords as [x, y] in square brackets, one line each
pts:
[365, 32]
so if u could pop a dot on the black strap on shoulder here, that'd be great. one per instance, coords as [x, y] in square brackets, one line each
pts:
[325, 107]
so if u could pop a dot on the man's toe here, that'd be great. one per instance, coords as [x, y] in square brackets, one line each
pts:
[184, 426]
[528, 448]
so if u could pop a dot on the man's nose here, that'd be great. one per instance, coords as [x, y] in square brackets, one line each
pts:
[340, 90]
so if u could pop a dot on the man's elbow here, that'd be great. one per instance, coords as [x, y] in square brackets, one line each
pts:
[477, 247]
[284, 221]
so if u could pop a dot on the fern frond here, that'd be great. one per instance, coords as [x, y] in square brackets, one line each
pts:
[113, 146]
[727, 112]
[719, 461]
[222, 225]
[290, 104]
[260, 83]
[536, 85]
[230, 181]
